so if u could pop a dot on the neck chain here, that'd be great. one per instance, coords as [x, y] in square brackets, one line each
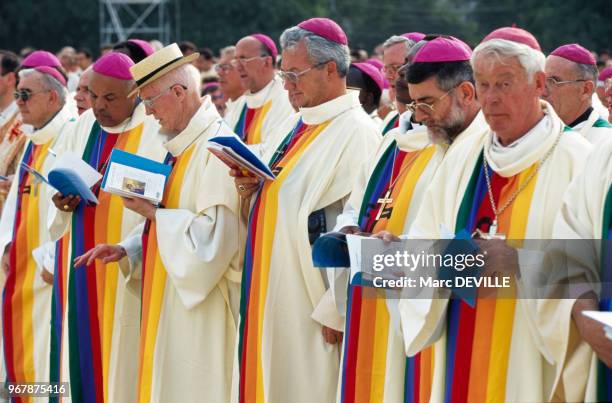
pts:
[387, 199]
[498, 211]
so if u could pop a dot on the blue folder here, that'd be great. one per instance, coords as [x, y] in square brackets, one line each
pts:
[65, 181]
[136, 161]
[331, 250]
[241, 149]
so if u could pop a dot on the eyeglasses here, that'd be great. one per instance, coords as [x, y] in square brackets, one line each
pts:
[552, 81]
[294, 77]
[224, 68]
[149, 102]
[25, 95]
[424, 106]
[241, 61]
[392, 68]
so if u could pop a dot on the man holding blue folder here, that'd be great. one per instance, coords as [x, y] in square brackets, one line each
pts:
[96, 308]
[188, 245]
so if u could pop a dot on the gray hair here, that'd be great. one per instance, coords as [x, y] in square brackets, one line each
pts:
[395, 39]
[48, 82]
[320, 50]
[186, 75]
[530, 59]
[587, 72]
[228, 50]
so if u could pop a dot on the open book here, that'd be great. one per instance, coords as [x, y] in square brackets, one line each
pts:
[70, 175]
[131, 175]
[237, 155]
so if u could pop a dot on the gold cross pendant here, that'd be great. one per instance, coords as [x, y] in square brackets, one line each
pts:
[384, 201]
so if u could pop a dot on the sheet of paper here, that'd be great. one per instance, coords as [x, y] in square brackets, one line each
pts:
[74, 163]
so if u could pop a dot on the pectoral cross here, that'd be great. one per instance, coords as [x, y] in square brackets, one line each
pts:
[386, 199]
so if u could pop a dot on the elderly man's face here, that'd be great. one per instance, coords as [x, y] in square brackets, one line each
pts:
[505, 95]
[109, 99]
[566, 98]
[229, 78]
[81, 96]
[250, 63]
[164, 104]
[393, 59]
[437, 109]
[36, 111]
[309, 88]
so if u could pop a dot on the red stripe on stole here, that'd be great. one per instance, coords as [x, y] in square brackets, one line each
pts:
[248, 121]
[417, 377]
[351, 356]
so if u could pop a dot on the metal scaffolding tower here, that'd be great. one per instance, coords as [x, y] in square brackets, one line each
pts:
[146, 19]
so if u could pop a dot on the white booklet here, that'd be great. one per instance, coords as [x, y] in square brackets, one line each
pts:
[131, 175]
[133, 182]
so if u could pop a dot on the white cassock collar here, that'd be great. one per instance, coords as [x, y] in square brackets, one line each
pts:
[52, 128]
[330, 109]
[257, 99]
[136, 119]
[205, 117]
[528, 149]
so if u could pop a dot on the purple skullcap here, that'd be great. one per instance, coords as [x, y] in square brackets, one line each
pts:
[115, 65]
[210, 84]
[440, 50]
[267, 42]
[605, 74]
[414, 36]
[41, 58]
[514, 34]
[379, 65]
[52, 71]
[376, 63]
[371, 72]
[575, 53]
[144, 45]
[325, 28]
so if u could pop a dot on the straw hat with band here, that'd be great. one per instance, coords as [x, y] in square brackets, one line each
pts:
[159, 63]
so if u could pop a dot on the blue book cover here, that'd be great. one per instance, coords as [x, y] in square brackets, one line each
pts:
[246, 159]
[65, 181]
[331, 250]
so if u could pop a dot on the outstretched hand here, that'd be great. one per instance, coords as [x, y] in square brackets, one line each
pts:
[107, 253]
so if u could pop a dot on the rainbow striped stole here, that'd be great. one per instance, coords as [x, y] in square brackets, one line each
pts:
[368, 322]
[92, 289]
[392, 124]
[154, 277]
[479, 338]
[604, 374]
[18, 297]
[248, 127]
[256, 271]
[58, 307]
